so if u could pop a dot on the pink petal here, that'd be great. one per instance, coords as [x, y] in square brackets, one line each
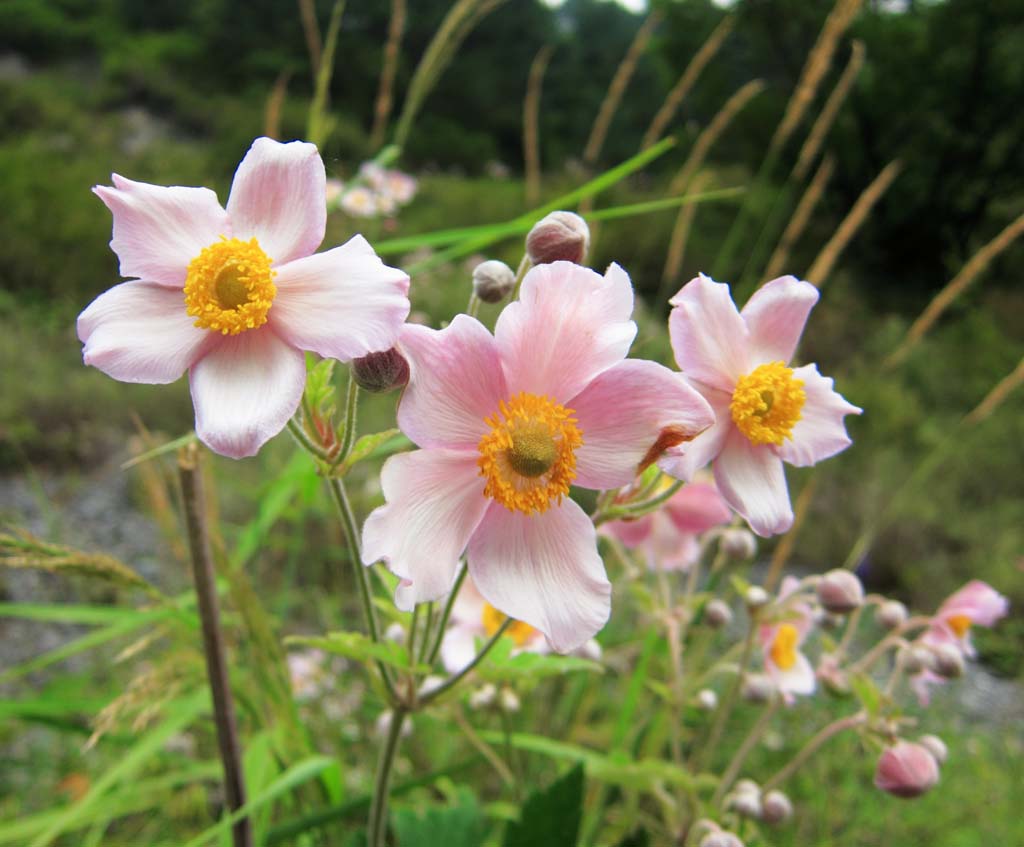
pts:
[624, 411]
[245, 390]
[543, 569]
[683, 462]
[697, 508]
[139, 332]
[775, 316]
[820, 432]
[455, 382]
[434, 502]
[568, 326]
[278, 196]
[668, 548]
[753, 482]
[158, 230]
[709, 338]
[977, 600]
[632, 533]
[342, 304]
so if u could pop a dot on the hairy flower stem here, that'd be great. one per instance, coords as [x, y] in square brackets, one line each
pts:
[524, 265]
[213, 642]
[812, 746]
[638, 509]
[351, 404]
[473, 306]
[377, 823]
[740, 756]
[452, 681]
[445, 614]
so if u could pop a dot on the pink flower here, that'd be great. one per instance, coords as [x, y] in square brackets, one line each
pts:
[235, 296]
[906, 770]
[668, 536]
[780, 645]
[507, 422]
[767, 413]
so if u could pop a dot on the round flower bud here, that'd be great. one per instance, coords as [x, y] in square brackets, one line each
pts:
[947, 661]
[746, 804]
[707, 700]
[891, 614]
[914, 659]
[381, 372]
[775, 807]
[758, 688]
[483, 696]
[906, 770]
[840, 592]
[395, 632]
[720, 839]
[739, 543]
[717, 614]
[747, 786]
[756, 597]
[936, 746]
[493, 281]
[559, 236]
[509, 700]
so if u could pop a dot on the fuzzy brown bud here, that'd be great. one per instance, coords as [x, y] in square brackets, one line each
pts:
[840, 592]
[717, 614]
[891, 614]
[559, 236]
[775, 807]
[947, 661]
[493, 281]
[739, 544]
[381, 372]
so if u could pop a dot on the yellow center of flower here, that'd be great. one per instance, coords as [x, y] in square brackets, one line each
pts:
[518, 631]
[767, 403]
[229, 287]
[528, 458]
[959, 624]
[783, 649]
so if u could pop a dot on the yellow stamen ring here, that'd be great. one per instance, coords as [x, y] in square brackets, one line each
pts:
[783, 647]
[229, 287]
[767, 403]
[528, 457]
[518, 631]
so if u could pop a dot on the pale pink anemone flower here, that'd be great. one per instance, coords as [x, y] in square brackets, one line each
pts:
[669, 536]
[767, 413]
[784, 663]
[235, 296]
[506, 423]
[976, 604]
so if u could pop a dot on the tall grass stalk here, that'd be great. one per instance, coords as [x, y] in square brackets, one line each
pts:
[830, 253]
[531, 123]
[686, 82]
[801, 217]
[318, 126]
[275, 104]
[680, 235]
[311, 31]
[975, 267]
[386, 91]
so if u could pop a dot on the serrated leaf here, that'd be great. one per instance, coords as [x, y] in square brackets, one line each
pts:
[460, 824]
[504, 664]
[550, 818]
[366, 446]
[355, 645]
[867, 692]
[320, 388]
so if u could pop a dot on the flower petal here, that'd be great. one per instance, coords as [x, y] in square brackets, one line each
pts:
[278, 196]
[624, 411]
[139, 332]
[709, 338]
[684, 461]
[979, 601]
[158, 229]
[752, 480]
[568, 326]
[455, 382]
[820, 432]
[543, 569]
[434, 502]
[799, 679]
[633, 532]
[775, 316]
[342, 303]
[698, 507]
[245, 390]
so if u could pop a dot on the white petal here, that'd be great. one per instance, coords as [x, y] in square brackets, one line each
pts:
[820, 432]
[752, 481]
[775, 316]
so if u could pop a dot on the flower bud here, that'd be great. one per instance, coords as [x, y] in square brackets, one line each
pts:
[747, 786]
[775, 807]
[509, 700]
[913, 660]
[756, 597]
[746, 804]
[936, 746]
[739, 543]
[906, 770]
[381, 372]
[891, 614]
[707, 700]
[840, 592]
[717, 614]
[558, 236]
[757, 688]
[720, 839]
[483, 696]
[947, 661]
[493, 281]
[395, 632]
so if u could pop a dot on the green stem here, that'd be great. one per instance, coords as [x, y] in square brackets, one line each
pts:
[452, 681]
[473, 306]
[740, 756]
[636, 510]
[377, 823]
[524, 265]
[811, 747]
[443, 623]
[299, 434]
[349, 435]
[428, 633]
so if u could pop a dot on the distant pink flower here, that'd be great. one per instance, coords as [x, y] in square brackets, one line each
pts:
[780, 646]
[236, 296]
[906, 770]
[669, 535]
[507, 423]
[767, 413]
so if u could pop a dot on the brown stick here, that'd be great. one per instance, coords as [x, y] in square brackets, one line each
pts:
[194, 504]
[385, 94]
[801, 217]
[531, 124]
[311, 29]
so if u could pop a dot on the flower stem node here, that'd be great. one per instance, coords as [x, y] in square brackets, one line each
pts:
[558, 236]
[739, 544]
[840, 592]
[775, 808]
[717, 614]
[381, 372]
[493, 281]
[891, 614]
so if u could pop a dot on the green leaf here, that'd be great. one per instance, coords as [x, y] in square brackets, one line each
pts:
[460, 824]
[368, 445]
[355, 645]
[503, 664]
[320, 388]
[636, 685]
[550, 818]
[867, 692]
[59, 613]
